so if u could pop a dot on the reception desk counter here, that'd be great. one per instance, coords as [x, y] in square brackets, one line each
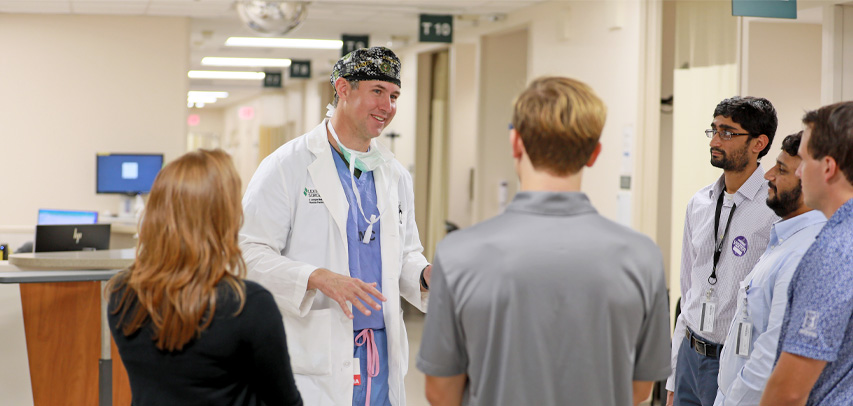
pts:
[69, 350]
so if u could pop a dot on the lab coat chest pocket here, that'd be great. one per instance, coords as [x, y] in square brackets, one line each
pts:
[309, 342]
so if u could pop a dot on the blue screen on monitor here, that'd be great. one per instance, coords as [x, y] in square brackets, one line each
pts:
[54, 217]
[127, 173]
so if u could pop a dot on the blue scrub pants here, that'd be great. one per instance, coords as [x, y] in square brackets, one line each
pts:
[695, 377]
[379, 384]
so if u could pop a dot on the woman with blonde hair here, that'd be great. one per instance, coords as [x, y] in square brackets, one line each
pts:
[190, 330]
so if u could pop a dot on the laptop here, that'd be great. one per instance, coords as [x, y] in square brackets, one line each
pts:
[72, 237]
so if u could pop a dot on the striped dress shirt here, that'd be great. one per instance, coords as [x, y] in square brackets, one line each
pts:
[745, 242]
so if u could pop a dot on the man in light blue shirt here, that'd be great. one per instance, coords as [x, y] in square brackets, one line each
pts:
[814, 361]
[747, 358]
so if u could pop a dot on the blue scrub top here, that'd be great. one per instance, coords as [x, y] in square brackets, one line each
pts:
[365, 260]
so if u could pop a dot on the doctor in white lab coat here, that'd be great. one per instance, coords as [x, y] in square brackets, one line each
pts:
[294, 237]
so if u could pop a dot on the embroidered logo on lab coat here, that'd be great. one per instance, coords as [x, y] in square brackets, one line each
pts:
[313, 196]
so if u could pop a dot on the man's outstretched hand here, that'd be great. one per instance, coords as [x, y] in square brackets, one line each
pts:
[343, 289]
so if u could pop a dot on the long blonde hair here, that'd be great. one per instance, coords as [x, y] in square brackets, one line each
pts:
[187, 245]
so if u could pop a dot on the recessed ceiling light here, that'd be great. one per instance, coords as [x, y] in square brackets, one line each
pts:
[215, 74]
[203, 93]
[248, 62]
[284, 43]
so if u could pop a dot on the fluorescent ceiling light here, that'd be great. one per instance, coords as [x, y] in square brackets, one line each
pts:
[253, 62]
[214, 74]
[284, 43]
[202, 93]
[202, 99]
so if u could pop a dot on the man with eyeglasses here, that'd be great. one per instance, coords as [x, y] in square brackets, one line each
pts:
[726, 229]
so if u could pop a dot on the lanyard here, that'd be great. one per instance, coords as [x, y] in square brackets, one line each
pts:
[718, 246]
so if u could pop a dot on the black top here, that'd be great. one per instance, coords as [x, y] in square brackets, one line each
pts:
[238, 360]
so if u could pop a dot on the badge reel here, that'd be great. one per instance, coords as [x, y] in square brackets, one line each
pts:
[744, 330]
[709, 311]
[356, 372]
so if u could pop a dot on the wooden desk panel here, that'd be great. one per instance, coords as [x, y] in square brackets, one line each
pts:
[62, 324]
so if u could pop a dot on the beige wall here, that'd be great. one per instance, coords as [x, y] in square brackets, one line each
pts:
[595, 42]
[76, 85]
[461, 151]
[73, 86]
[847, 52]
[208, 133]
[501, 79]
[784, 66]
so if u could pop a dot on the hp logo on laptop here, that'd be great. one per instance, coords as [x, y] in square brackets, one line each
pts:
[77, 236]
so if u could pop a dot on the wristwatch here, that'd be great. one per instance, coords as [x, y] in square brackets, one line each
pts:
[423, 281]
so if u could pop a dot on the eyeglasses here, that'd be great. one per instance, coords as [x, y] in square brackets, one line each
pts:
[724, 135]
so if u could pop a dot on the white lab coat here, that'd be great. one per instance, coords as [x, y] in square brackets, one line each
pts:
[295, 222]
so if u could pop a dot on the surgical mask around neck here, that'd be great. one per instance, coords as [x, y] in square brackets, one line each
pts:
[373, 218]
[364, 161]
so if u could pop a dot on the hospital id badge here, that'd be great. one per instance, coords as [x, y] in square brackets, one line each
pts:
[709, 311]
[356, 372]
[744, 338]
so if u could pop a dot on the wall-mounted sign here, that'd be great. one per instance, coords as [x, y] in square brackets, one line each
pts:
[300, 69]
[272, 79]
[353, 42]
[765, 8]
[435, 28]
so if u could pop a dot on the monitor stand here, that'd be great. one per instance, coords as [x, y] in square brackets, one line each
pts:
[131, 207]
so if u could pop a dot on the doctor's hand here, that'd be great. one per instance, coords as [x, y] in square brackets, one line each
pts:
[343, 289]
[669, 398]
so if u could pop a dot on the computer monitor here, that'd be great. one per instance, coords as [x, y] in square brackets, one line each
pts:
[54, 217]
[128, 174]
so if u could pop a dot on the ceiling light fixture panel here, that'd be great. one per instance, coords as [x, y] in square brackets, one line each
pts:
[214, 74]
[245, 62]
[284, 43]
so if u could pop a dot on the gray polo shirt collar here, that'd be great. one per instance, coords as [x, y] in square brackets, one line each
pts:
[551, 203]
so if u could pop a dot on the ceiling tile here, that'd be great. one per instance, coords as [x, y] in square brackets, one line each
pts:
[102, 7]
[35, 6]
[191, 9]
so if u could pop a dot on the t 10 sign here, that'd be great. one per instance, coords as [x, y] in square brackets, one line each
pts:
[436, 28]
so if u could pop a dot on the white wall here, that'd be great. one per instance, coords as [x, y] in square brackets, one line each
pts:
[76, 85]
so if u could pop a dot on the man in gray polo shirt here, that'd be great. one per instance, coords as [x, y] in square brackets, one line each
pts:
[548, 303]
